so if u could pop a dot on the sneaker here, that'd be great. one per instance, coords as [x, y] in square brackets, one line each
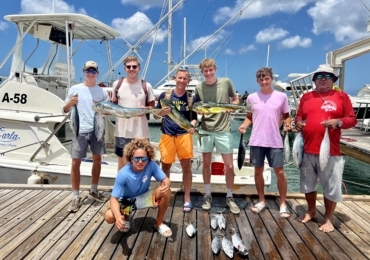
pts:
[75, 204]
[230, 202]
[207, 200]
[97, 196]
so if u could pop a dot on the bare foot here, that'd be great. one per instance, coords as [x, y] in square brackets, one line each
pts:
[306, 217]
[327, 226]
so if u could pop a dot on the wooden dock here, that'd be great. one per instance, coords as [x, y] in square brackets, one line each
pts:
[355, 143]
[35, 224]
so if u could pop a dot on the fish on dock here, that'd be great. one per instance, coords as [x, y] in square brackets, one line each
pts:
[227, 246]
[286, 147]
[216, 108]
[125, 112]
[298, 150]
[99, 126]
[324, 150]
[241, 152]
[216, 245]
[190, 230]
[221, 221]
[214, 223]
[238, 243]
[179, 118]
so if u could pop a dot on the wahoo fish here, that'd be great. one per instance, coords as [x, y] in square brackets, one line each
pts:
[221, 221]
[99, 126]
[190, 230]
[214, 223]
[324, 150]
[75, 121]
[227, 246]
[179, 118]
[298, 150]
[286, 147]
[241, 152]
[125, 112]
[238, 243]
[216, 108]
[216, 245]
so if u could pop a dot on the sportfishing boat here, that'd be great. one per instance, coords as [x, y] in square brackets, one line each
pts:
[35, 135]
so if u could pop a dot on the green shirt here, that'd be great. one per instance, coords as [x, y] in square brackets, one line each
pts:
[220, 92]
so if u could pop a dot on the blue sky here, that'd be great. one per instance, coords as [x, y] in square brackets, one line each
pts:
[299, 32]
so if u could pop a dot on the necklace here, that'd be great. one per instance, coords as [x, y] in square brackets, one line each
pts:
[324, 100]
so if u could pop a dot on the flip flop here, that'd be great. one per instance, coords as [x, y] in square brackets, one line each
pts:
[162, 229]
[284, 210]
[187, 205]
[259, 206]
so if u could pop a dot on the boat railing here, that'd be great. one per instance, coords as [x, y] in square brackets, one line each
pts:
[363, 122]
[299, 86]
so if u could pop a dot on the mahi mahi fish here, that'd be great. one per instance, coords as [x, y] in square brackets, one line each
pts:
[286, 147]
[179, 118]
[216, 245]
[324, 150]
[99, 126]
[238, 243]
[125, 112]
[298, 150]
[241, 152]
[216, 108]
[75, 121]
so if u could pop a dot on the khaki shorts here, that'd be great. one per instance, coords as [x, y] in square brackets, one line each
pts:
[181, 145]
[81, 143]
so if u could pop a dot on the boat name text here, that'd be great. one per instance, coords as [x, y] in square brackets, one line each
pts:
[7, 136]
[16, 99]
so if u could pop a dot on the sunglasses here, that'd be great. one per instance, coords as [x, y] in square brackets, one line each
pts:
[182, 68]
[91, 71]
[326, 76]
[143, 158]
[131, 66]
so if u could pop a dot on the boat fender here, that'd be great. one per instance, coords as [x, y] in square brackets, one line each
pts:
[34, 179]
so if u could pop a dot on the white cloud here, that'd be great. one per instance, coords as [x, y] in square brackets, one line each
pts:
[246, 49]
[197, 42]
[270, 34]
[295, 41]
[134, 27]
[146, 4]
[259, 8]
[45, 7]
[3, 26]
[229, 52]
[343, 18]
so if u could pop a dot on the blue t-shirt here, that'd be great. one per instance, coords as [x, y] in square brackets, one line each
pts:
[181, 103]
[130, 184]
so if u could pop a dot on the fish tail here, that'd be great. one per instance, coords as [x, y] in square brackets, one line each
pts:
[156, 112]
[200, 137]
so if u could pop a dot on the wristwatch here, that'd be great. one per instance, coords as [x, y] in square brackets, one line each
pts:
[340, 123]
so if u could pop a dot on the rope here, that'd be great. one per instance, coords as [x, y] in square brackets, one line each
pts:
[367, 186]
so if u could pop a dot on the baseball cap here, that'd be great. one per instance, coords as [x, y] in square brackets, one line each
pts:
[90, 64]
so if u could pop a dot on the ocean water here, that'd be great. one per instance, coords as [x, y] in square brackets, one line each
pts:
[356, 177]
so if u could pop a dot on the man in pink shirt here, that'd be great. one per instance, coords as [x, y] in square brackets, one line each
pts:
[269, 107]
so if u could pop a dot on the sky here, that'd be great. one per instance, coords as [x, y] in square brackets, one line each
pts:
[299, 34]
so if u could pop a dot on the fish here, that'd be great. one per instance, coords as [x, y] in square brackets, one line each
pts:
[227, 246]
[241, 152]
[221, 221]
[216, 245]
[238, 243]
[286, 147]
[324, 150]
[217, 108]
[298, 150]
[74, 121]
[179, 118]
[214, 223]
[125, 112]
[99, 126]
[191, 230]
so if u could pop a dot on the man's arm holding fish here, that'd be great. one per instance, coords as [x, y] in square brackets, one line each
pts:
[287, 122]
[69, 102]
[247, 122]
[165, 110]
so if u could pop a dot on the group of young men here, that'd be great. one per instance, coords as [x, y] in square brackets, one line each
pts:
[135, 153]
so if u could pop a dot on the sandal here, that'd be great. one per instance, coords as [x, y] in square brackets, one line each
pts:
[162, 229]
[259, 207]
[284, 210]
[187, 205]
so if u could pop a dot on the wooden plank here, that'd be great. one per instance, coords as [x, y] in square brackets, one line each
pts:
[12, 202]
[365, 206]
[156, 249]
[173, 246]
[64, 235]
[264, 240]
[39, 229]
[4, 192]
[307, 231]
[204, 250]
[189, 244]
[359, 208]
[6, 196]
[50, 187]
[81, 240]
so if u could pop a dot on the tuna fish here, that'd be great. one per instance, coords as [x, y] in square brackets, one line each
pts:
[238, 243]
[125, 112]
[216, 108]
[99, 126]
[214, 223]
[298, 150]
[221, 221]
[191, 230]
[241, 152]
[324, 150]
[179, 118]
[216, 245]
[286, 147]
[75, 121]
[227, 246]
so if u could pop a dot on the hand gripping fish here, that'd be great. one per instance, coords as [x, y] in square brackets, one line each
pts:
[125, 112]
[324, 150]
[238, 243]
[216, 108]
[179, 118]
[216, 245]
